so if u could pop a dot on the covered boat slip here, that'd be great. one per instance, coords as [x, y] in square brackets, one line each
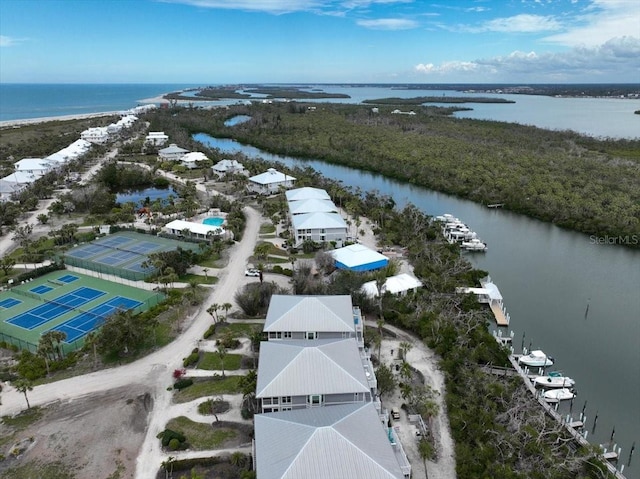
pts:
[490, 294]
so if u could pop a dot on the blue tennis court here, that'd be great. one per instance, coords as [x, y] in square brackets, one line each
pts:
[9, 303]
[41, 289]
[113, 241]
[78, 326]
[68, 278]
[46, 312]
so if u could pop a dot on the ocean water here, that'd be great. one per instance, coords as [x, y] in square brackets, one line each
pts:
[598, 117]
[22, 101]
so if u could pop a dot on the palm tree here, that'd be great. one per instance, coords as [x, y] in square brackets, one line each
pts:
[426, 451]
[226, 307]
[205, 271]
[43, 351]
[92, 340]
[24, 385]
[167, 465]
[405, 347]
[222, 354]
[213, 311]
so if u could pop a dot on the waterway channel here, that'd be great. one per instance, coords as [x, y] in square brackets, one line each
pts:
[567, 293]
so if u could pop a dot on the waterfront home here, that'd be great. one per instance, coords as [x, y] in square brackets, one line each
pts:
[156, 138]
[98, 135]
[319, 227]
[350, 440]
[312, 206]
[313, 317]
[190, 160]
[34, 166]
[172, 153]
[226, 167]
[307, 193]
[313, 373]
[270, 182]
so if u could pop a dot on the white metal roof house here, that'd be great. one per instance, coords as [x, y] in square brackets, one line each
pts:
[35, 166]
[156, 138]
[190, 160]
[74, 151]
[398, 284]
[320, 227]
[313, 317]
[312, 206]
[226, 166]
[172, 153]
[195, 230]
[270, 182]
[307, 193]
[8, 188]
[306, 374]
[98, 135]
[357, 257]
[338, 442]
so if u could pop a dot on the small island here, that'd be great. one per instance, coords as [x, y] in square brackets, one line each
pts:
[419, 100]
[244, 92]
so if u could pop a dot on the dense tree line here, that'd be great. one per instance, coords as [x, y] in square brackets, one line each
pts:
[587, 184]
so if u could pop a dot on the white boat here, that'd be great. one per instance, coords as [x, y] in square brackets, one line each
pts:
[555, 395]
[474, 244]
[553, 381]
[536, 359]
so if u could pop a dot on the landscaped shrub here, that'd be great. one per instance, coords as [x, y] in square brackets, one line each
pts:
[192, 359]
[210, 331]
[174, 444]
[183, 383]
[168, 435]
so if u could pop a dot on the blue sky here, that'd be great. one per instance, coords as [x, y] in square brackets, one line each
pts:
[319, 41]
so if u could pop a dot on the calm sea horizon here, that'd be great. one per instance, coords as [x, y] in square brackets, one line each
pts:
[598, 117]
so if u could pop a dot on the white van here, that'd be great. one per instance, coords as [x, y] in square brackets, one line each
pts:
[395, 413]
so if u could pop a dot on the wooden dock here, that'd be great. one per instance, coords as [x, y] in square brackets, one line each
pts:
[498, 313]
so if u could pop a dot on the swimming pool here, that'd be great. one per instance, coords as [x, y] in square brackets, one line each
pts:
[213, 221]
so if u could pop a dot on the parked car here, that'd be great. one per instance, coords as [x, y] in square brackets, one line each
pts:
[252, 272]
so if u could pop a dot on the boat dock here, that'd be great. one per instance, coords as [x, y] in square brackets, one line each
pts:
[574, 428]
[490, 294]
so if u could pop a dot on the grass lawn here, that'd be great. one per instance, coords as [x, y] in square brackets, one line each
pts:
[211, 362]
[267, 228]
[208, 387]
[209, 279]
[239, 329]
[200, 436]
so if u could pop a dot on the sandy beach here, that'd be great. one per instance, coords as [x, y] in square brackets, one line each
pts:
[32, 121]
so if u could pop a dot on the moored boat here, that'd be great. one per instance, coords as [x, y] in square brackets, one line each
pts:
[536, 359]
[474, 244]
[555, 395]
[554, 381]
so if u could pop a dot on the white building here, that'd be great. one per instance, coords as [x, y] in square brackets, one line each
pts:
[190, 160]
[34, 166]
[320, 227]
[270, 182]
[172, 153]
[225, 167]
[156, 138]
[72, 152]
[312, 206]
[195, 230]
[398, 284]
[8, 188]
[98, 135]
[307, 193]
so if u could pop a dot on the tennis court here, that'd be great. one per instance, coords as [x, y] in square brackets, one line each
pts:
[122, 254]
[73, 303]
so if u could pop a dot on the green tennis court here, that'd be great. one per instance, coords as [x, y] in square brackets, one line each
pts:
[62, 301]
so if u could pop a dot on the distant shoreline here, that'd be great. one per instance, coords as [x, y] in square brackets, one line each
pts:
[45, 119]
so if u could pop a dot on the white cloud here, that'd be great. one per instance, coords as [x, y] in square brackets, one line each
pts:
[388, 24]
[269, 6]
[522, 23]
[10, 41]
[601, 21]
[616, 60]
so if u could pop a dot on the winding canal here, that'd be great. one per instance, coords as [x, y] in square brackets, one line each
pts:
[575, 297]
